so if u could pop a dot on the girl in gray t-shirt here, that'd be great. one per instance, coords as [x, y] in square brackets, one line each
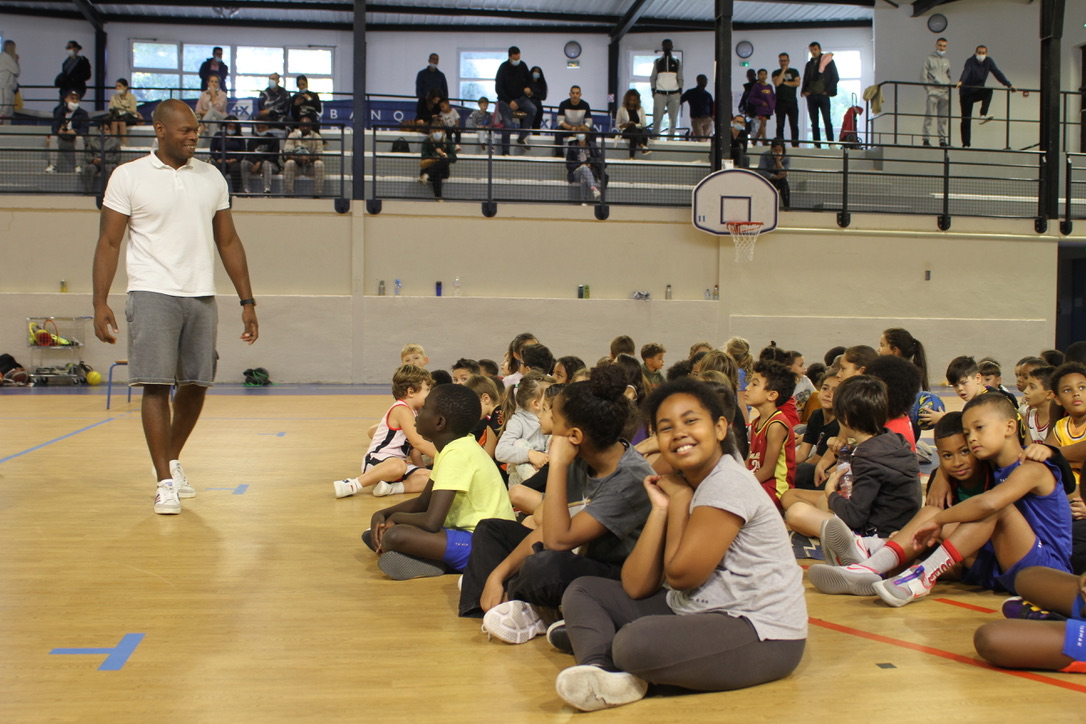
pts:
[732, 613]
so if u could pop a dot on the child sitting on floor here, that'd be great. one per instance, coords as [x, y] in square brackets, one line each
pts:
[431, 534]
[522, 446]
[772, 456]
[392, 463]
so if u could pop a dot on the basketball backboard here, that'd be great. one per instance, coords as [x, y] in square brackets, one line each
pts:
[734, 195]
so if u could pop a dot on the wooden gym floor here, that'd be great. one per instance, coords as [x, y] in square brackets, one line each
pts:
[259, 603]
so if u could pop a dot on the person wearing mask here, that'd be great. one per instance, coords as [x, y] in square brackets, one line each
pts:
[739, 140]
[9, 81]
[74, 73]
[666, 82]
[701, 108]
[538, 86]
[819, 85]
[263, 156]
[69, 123]
[513, 83]
[438, 152]
[430, 78]
[123, 111]
[305, 102]
[211, 106]
[302, 153]
[936, 74]
[773, 166]
[275, 99]
[971, 89]
[101, 155]
[785, 81]
[214, 66]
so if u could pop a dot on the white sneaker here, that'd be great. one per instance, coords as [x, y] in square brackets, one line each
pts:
[382, 489]
[912, 585]
[181, 481]
[855, 579]
[166, 501]
[514, 622]
[985, 119]
[79, 169]
[346, 488]
[596, 193]
[424, 178]
[590, 688]
[50, 169]
[840, 546]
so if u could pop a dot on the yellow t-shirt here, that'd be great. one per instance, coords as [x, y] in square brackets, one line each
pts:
[464, 467]
[1061, 430]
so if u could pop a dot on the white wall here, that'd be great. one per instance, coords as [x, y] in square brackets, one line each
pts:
[40, 44]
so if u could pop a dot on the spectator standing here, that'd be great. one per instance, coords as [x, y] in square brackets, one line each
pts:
[574, 115]
[430, 78]
[785, 81]
[9, 81]
[819, 85]
[214, 66]
[513, 84]
[971, 89]
[69, 123]
[666, 82]
[538, 86]
[123, 111]
[761, 104]
[275, 99]
[701, 108]
[102, 154]
[630, 120]
[752, 78]
[305, 102]
[74, 73]
[936, 74]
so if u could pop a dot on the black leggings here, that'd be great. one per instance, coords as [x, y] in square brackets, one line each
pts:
[703, 652]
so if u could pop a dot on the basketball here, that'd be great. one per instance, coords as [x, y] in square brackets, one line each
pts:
[94, 377]
[43, 338]
[926, 401]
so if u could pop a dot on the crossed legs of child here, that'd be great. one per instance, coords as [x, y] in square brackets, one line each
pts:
[1049, 645]
[410, 552]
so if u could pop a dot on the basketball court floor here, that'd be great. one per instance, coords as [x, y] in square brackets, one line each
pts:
[259, 603]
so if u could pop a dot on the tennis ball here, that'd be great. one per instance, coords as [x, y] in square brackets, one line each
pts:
[94, 377]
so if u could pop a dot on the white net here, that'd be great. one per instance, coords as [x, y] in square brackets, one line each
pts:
[745, 235]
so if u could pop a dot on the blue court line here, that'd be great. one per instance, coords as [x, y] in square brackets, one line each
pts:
[240, 490]
[116, 657]
[62, 437]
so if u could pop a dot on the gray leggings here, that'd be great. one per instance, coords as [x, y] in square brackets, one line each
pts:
[703, 652]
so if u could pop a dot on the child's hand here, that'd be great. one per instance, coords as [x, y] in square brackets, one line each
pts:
[939, 494]
[537, 459]
[673, 485]
[1078, 509]
[833, 480]
[822, 470]
[1036, 452]
[378, 526]
[929, 416]
[493, 593]
[562, 451]
[927, 535]
[834, 444]
[657, 497]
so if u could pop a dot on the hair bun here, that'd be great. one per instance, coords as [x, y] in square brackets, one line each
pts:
[608, 382]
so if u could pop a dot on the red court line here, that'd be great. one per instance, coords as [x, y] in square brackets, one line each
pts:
[1029, 675]
[970, 606]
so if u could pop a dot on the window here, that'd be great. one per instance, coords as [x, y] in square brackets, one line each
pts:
[478, 68]
[641, 62]
[177, 66]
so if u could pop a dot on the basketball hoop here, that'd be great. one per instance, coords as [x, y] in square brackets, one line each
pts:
[745, 235]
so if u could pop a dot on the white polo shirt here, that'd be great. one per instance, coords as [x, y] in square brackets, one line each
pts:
[171, 243]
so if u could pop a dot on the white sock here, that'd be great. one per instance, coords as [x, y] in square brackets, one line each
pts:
[884, 560]
[940, 561]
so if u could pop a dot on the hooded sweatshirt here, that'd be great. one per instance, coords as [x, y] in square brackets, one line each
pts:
[885, 486]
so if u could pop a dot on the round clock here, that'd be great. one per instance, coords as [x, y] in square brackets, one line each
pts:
[744, 49]
[573, 49]
[937, 23]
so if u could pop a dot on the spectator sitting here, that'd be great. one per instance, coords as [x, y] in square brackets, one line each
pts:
[102, 154]
[584, 165]
[274, 99]
[538, 86]
[574, 116]
[122, 110]
[214, 66]
[263, 155]
[430, 78]
[69, 123]
[305, 103]
[774, 167]
[450, 119]
[483, 120]
[428, 109]
[211, 107]
[302, 153]
[630, 119]
[513, 84]
[228, 151]
[437, 154]
[738, 153]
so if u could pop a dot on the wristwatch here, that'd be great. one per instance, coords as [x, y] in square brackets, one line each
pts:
[243, 302]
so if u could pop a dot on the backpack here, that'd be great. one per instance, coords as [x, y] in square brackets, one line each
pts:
[256, 377]
[11, 372]
[400, 145]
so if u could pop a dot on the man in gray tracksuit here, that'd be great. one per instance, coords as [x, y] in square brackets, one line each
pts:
[937, 75]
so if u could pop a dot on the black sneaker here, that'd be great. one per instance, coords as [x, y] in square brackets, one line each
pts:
[402, 567]
[558, 637]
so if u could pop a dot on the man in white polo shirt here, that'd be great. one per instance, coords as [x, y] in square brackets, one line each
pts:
[177, 211]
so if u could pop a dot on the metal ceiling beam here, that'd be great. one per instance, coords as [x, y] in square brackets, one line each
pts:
[91, 13]
[922, 6]
[628, 20]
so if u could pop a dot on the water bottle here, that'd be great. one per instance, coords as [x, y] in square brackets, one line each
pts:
[716, 292]
[63, 286]
[580, 291]
[437, 288]
[381, 288]
[398, 287]
[587, 292]
[667, 292]
[456, 287]
[844, 465]
[708, 294]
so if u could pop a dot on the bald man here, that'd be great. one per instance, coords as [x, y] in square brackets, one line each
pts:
[177, 212]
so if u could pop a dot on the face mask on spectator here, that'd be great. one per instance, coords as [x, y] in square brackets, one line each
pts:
[432, 66]
[514, 62]
[940, 53]
[71, 52]
[739, 126]
[437, 135]
[535, 76]
[72, 105]
[981, 57]
[580, 137]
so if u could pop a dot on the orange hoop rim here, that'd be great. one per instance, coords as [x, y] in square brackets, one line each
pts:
[744, 227]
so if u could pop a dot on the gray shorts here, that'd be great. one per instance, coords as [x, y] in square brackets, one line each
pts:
[171, 340]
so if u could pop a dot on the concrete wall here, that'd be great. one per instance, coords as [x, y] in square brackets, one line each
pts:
[811, 285]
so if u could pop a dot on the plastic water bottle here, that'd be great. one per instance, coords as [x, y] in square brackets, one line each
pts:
[844, 465]
[716, 292]
[667, 292]
[381, 288]
[437, 289]
[398, 287]
[456, 287]
[708, 294]
[587, 292]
